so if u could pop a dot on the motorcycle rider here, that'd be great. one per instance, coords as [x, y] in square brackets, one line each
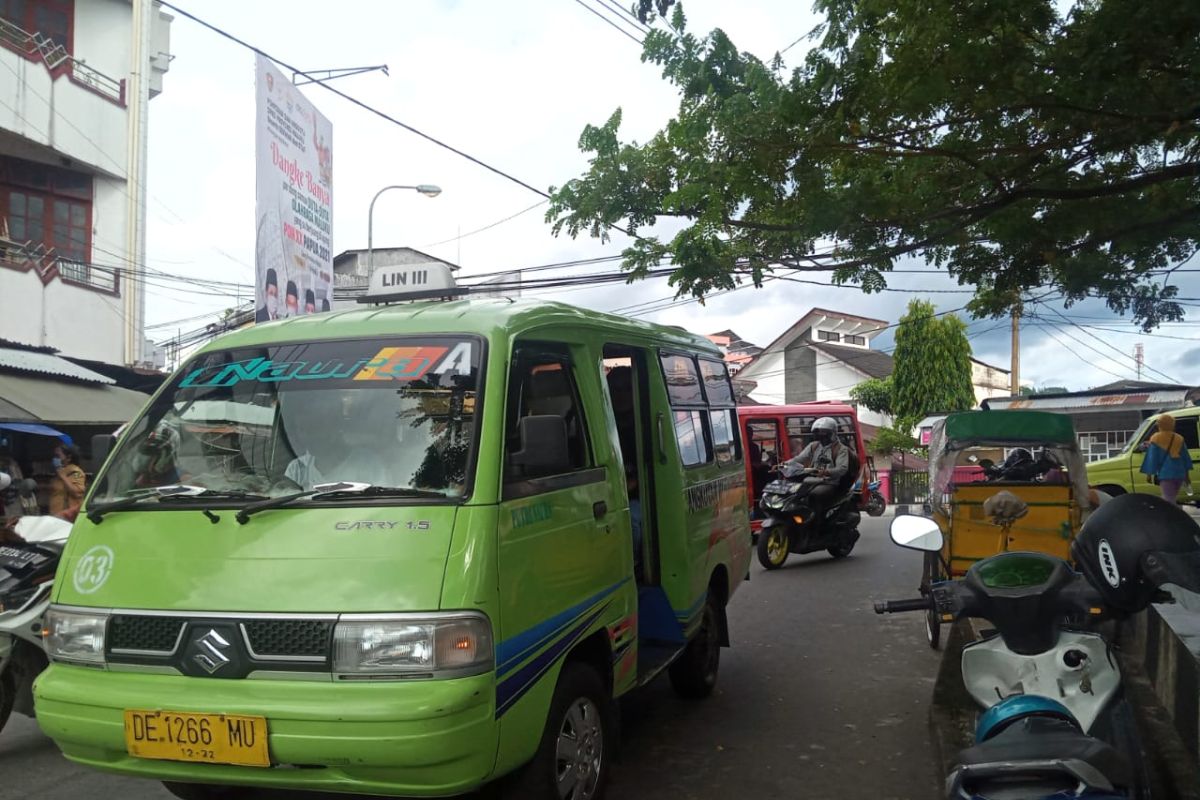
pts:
[828, 458]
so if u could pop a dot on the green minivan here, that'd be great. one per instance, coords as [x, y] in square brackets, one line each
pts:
[1122, 474]
[405, 550]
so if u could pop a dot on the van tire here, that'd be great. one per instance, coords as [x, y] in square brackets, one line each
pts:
[202, 791]
[694, 673]
[581, 703]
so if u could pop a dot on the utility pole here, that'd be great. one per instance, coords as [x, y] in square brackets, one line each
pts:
[1016, 351]
[138, 98]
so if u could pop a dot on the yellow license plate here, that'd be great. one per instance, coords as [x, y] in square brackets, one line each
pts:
[207, 738]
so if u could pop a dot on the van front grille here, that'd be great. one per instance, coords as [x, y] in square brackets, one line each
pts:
[289, 638]
[138, 633]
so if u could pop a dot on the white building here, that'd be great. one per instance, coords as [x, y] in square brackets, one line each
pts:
[827, 353]
[73, 86]
[822, 356]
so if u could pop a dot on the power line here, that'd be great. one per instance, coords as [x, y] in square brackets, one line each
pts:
[350, 98]
[1106, 344]
[488, 227]
[1050, 332]
[610, 23]
[629, 16]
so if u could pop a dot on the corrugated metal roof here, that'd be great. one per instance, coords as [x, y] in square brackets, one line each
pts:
[59, 403]
[48, 364]
[1096, 402]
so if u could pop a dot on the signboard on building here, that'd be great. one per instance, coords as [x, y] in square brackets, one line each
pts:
[294, 201]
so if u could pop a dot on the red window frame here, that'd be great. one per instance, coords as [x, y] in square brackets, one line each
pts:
[63, 200]
[28, 16]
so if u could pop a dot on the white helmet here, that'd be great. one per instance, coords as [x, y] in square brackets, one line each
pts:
[825, 424]
[5, 481]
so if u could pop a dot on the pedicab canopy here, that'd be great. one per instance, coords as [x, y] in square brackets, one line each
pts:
[956, 438]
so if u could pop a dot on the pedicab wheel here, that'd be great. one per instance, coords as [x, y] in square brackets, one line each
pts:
[933, 625]
[772, 547]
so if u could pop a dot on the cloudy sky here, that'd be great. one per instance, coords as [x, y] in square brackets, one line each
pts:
[513, 84]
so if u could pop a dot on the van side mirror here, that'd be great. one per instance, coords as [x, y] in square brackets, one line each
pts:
[102, 445]
[544, 449]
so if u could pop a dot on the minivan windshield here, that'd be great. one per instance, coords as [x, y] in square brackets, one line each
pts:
[277, 419]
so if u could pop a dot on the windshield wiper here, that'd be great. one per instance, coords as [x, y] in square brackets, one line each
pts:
[180, 491]
[333, 491]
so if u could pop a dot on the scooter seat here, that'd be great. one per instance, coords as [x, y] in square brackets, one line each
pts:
[1046, 739]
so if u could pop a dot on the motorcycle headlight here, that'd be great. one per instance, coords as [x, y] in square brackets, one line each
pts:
[427, 646]
[74, 636]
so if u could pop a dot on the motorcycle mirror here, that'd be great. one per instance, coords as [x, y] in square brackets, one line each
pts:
[917, 533]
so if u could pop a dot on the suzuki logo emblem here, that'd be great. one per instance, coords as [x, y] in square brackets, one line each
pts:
[212, 651]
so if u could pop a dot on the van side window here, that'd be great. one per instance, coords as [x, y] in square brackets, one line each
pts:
[724, 435]
[542, 383]
[689, 431]
[1186, 427]
[683, 380]
[716, 382]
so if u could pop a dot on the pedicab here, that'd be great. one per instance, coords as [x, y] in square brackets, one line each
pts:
[1001, 481]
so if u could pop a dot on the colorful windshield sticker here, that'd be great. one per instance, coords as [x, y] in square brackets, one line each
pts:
[389, 364]
[92, 569]
[400, 363]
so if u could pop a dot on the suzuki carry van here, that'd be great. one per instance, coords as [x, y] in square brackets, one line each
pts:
[405, 550]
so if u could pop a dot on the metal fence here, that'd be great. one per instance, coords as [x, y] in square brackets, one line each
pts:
[910, 487]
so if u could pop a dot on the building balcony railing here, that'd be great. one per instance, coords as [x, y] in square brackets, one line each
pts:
[48, 265]
[39, 48]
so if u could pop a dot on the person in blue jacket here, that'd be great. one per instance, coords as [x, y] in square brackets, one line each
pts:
[1167, 459]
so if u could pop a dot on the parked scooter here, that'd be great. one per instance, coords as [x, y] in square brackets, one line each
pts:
[876, 504]
[1057, 723]
[27, 569]
[792, 526]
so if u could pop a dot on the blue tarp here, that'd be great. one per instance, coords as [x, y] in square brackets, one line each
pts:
[34, 428]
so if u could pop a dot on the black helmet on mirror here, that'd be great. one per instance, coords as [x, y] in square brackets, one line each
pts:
[1132, 545]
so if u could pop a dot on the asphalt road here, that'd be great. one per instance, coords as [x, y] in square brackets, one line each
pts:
[818, 698]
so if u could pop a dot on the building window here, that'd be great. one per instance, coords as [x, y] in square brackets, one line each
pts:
[48, 206]
[50, 18]
[858, 340]
[829, 336]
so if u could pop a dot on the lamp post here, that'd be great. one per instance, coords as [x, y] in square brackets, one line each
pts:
[427, 189]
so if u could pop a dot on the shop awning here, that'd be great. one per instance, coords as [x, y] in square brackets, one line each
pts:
[30, 399]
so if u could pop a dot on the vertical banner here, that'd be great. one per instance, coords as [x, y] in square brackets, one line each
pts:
[294, 201]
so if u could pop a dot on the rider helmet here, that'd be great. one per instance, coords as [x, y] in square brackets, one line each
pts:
[1018, 455]
[5, 481]
[1133, 544]
[824, 429]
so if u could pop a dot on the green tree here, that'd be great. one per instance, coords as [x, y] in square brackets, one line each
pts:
[874, 394]
[1016, 143]
[1030, 391]
[889, 440]
[933, 366]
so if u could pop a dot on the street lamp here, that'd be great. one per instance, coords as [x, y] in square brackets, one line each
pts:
[427, 189]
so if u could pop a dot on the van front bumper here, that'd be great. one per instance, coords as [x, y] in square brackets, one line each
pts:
[429, 738]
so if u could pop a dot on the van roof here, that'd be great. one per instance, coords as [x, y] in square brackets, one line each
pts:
[490, 317]
[817, 407]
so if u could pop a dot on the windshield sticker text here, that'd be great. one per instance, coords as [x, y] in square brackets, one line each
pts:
[389, 364]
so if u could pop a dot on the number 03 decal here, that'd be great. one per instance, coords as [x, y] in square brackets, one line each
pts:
[93, 569]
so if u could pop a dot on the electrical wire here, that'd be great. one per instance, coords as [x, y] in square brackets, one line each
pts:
[488, 227]
[606, 20]
[354, 100]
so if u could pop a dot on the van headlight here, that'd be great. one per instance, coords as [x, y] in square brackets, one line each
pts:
[450, 645]
[74, 636]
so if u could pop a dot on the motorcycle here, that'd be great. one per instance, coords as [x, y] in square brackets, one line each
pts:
[876, 504]
[27, 567]
[792, 526]
[1056, 722]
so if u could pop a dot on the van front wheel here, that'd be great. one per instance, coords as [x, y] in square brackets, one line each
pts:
[694, 673]
[572, 761]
